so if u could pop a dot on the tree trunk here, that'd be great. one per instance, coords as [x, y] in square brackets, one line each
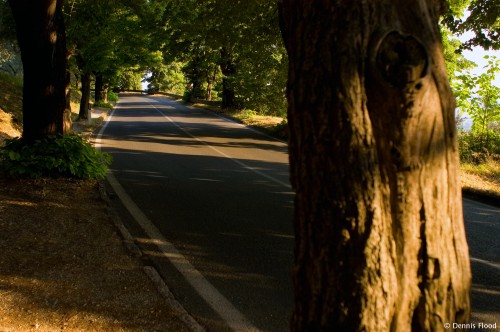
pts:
[101, 88]
[228, 69]
[228, 97]
[84, 101]
[67, 121]
[380, 240]
[42, 41]
[105, 89]
[99, 83]
[211, 76]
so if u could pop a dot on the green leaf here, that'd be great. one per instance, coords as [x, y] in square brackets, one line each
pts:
[14, 155]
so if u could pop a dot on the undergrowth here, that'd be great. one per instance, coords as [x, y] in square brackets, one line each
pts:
[54, 156]
[489, 169]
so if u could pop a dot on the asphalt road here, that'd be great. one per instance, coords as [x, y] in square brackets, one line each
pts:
[482, 226]
[219, 194]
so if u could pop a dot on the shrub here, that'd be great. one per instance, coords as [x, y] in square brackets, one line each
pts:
[475, 148]
[100, 103]
[112, 96]
[187, 97]
[54, 156]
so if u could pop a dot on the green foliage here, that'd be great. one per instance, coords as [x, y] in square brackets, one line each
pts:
[167, 78]
[112, 96]
[230, 47]
[478, 96]
[54, 156]
[100, 103]
[187, 96]
[483, 22]
[474, 149]
[111, 38]
[455, 61]
[128, 79]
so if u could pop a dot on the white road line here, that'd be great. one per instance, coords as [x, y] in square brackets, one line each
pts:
[232, 316]
[242, 164]
[494, 265]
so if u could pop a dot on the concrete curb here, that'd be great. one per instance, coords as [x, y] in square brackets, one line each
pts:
[481, 196]
[179, 310]
[150, 271]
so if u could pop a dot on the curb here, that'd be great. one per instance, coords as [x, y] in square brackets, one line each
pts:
[481, 196]
[179, 310]
[150, 271]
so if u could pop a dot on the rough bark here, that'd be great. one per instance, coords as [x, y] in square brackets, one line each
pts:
[380, 241]
[42, 41]
[84, 101]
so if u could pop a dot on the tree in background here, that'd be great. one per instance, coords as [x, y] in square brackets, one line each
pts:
[241, 38]
[483, 22]
[42, 41]
[479, 98]
[477, 95]
[452, 46]
[380, 240]
[10, 60]
[108, 37]
[129, 78]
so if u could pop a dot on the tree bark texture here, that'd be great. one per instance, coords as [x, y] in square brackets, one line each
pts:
[85, 99]
[42, 41]
[380, 240]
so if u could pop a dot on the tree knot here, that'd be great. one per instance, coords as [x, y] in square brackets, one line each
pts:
[400, 59]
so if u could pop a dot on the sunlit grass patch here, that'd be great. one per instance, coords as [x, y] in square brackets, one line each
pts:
[483, 177]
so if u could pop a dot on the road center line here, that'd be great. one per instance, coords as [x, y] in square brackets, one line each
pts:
[242, 164]
[232, 316]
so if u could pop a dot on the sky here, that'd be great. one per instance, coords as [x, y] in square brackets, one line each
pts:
[477, 55]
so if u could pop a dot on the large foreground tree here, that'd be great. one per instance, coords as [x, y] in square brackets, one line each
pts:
[42, 41]
[380, 240]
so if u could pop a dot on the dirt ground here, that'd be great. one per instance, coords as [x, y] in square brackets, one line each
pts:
[63, 266]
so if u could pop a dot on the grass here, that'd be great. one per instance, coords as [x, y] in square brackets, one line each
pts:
[482, 178]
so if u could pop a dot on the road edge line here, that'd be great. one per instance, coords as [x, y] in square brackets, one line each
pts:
[218, 302]
[242, 164]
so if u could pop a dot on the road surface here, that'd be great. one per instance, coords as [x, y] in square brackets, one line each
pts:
[482, 226]
[219, 193]
[218, 196]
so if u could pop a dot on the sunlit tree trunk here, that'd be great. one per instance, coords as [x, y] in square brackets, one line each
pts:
[42, 41]
[101, 88]
[380, 240]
